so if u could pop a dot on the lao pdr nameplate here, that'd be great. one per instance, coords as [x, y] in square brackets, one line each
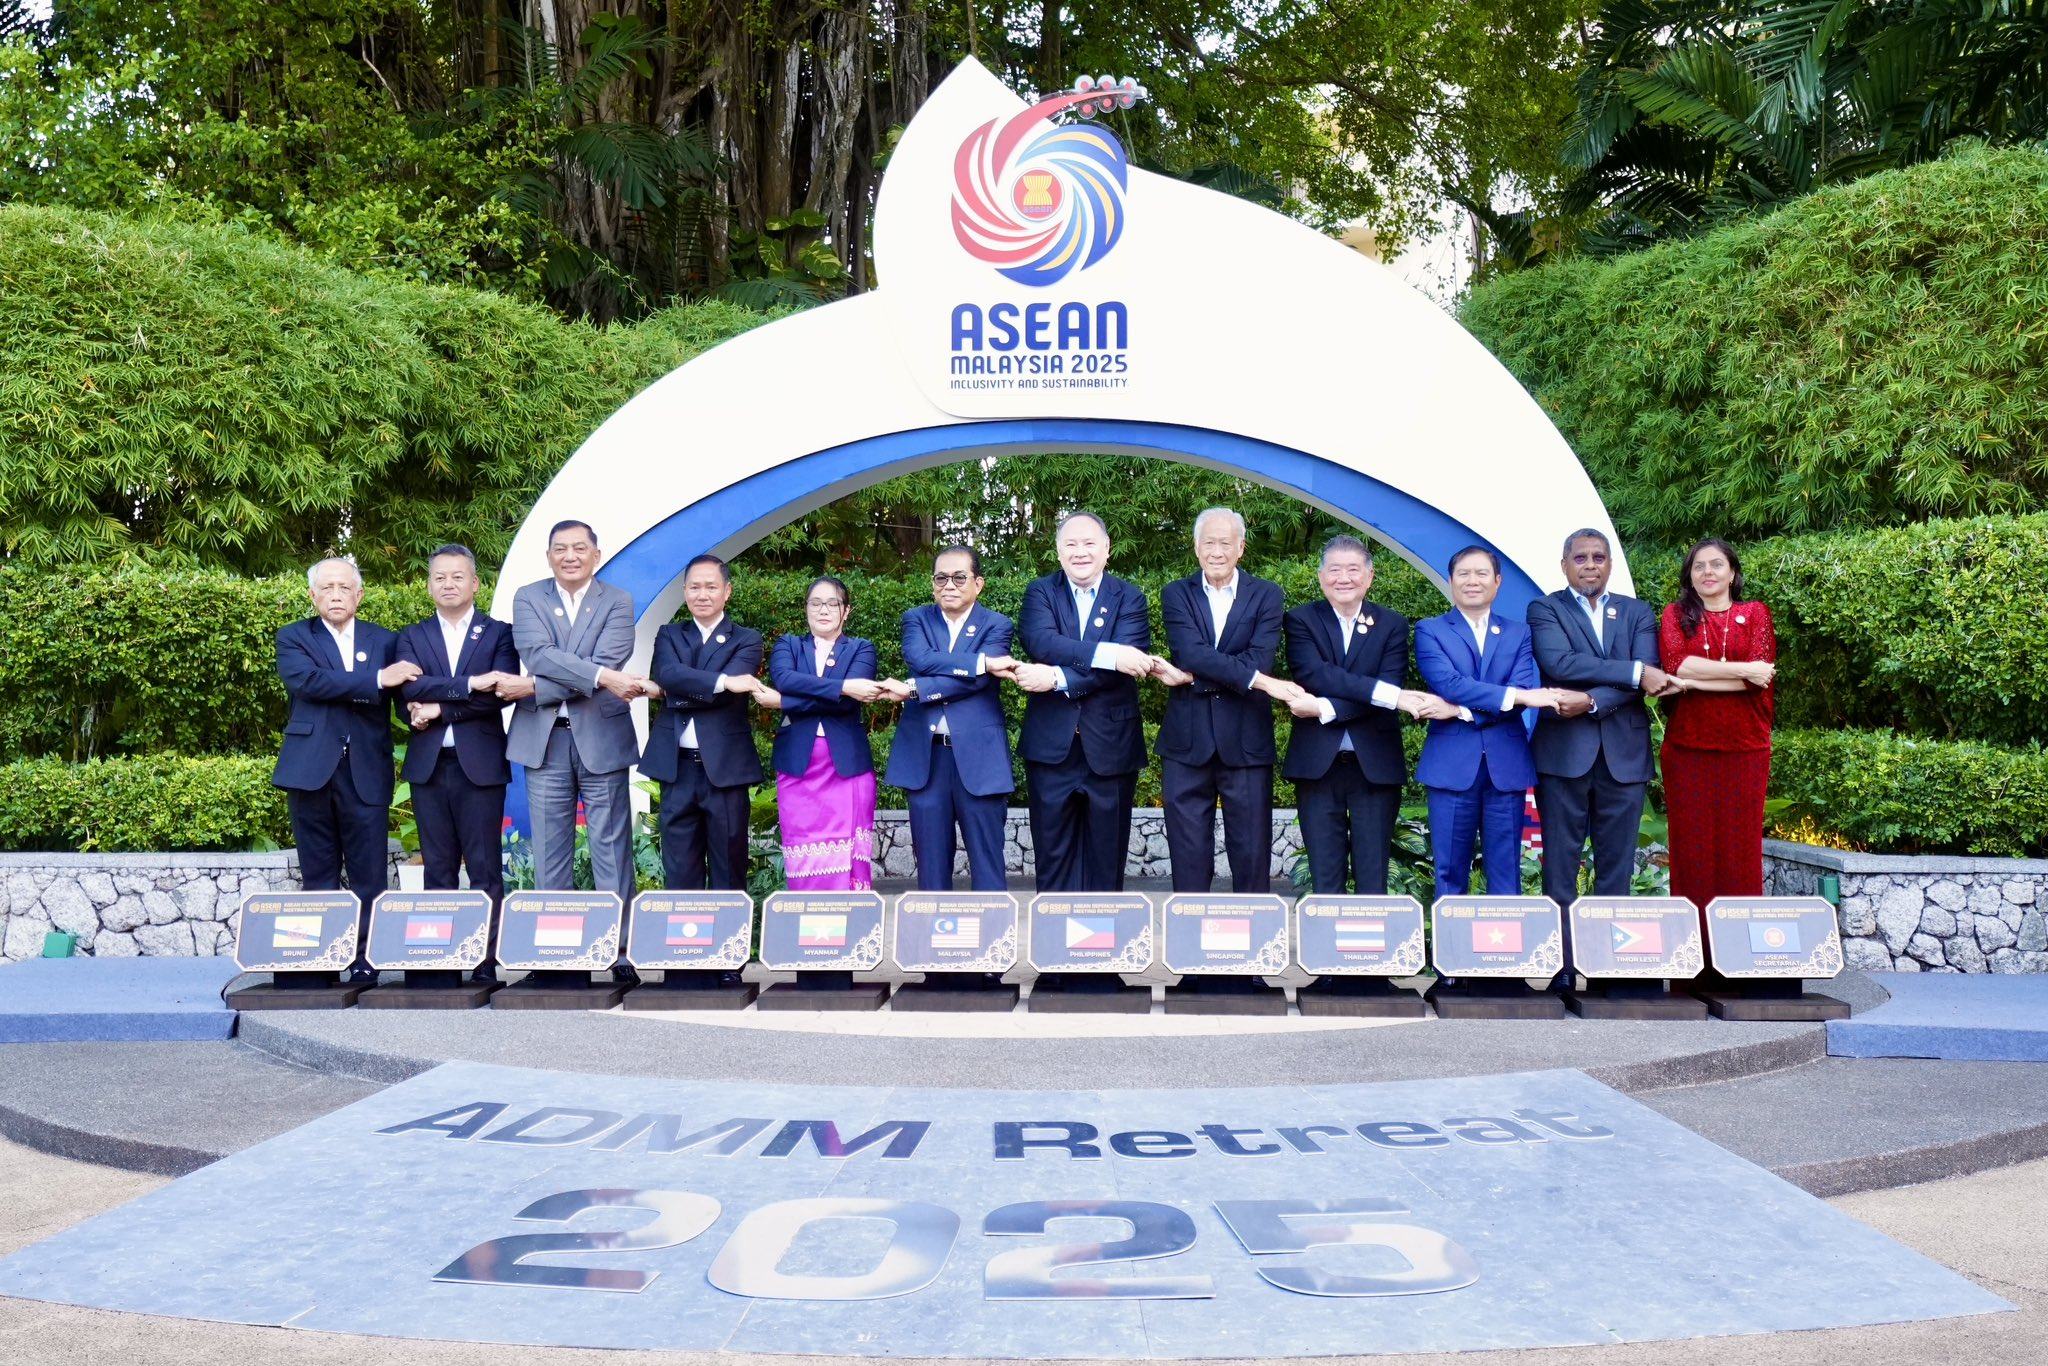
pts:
[1497, 936]
[1642, 937]
[1773, 936]
[297, 931]
[691, 930]
[446, 931]
[1091, 932]
[1227, 935]
[572, 931]
[1359, 936]
[956, 931]
[822, 931]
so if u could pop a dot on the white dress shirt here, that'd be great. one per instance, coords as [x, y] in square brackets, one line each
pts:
[571, 603]
[1384, 694]
[451, 641]
[1084, 608]
[344, 641]
[1592, 607]
[688, 739]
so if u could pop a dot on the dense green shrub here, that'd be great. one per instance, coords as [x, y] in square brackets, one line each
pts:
[1906, 796]
[158, 801]
[1870, 355]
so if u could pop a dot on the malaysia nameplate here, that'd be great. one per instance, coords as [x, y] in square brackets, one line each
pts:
[1497, 936]
[822, 931]
[569, 931]
[1090, 932]
[1359, 936]
[685, 931]
[1773, 936]
[1636, 937]
[442, 931]
[956, 931]
[297, 931]
[1226, 935]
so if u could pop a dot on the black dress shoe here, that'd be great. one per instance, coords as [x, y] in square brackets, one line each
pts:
[485, 976]
[361, 977]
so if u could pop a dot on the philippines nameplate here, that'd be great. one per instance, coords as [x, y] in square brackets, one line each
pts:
[956, 931]
[1227, 935]
[1359, 936]
[569, 931]
[822, 931]
[1773, 936]
[684, 931]
[442, 931]
[1641, 937]
[1497, 936]
[297, 931]
[1090, 932]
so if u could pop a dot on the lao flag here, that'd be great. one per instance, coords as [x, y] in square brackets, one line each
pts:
[1638, 937]
[1774, 936]
[1226, 934]
[1091, 932]
[690, 931]
[1496, 936]
[430, 929]
[557, 931]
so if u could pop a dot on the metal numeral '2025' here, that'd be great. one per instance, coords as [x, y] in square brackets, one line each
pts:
[922, 1237]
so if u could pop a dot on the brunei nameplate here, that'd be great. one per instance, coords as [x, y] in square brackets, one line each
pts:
[1226, 934]
[297, 932]
[1090, 932]
[1497, 936]
[1792, 937]
[446, 931]
[565, 931]
[683, 931]
[956, 931]
[1359, 936]
[1647, 937]
[822, 931]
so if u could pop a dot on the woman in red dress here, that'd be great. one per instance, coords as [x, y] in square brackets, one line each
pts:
[1717, 738]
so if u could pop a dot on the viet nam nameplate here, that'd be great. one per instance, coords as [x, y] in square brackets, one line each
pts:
[1496, 936]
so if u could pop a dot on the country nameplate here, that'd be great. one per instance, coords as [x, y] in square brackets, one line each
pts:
[822, 931]
[569, 931]
[1090, 932]
[1225, 934]
[1359, 936]
[440, 931]
[690, 930]
[297, 931]
[1773, 936]
[1644, 937]
[956, 931]
[1496, 936]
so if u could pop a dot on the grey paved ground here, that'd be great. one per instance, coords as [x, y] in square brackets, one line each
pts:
[1986, 1226]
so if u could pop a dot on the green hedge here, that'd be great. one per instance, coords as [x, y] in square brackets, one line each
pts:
[1870, 355]
[159, 801]
[1908, 796]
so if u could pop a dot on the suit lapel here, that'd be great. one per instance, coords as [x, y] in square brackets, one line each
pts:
[1569, 605]
[594, 598]
[324, 643]
[1199, 587]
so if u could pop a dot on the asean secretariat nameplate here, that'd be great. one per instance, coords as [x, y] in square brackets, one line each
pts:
[691, 930]
[1359, 936]
[1225, 934]
[1090, 932]
[429, 931]
[1650, 937]
[571, 931]
[1497, 936]
[1773, 936]
[297, 932]
[822, 931]
[956, 931]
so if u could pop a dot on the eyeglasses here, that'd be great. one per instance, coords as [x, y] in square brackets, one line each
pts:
[815, 603]
[959, 579]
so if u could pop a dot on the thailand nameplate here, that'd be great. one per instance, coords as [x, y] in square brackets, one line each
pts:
[1091, 932]
[1497, 936]
[571, 931]
[1654, 938]
[297, 931]
[691, 930]
[822, 931]
[1773, 936]
[1359, 936]
[444, 931]
[1229, 935]
[956, 931]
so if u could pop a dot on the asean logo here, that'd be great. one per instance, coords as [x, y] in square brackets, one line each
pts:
[1038, 211]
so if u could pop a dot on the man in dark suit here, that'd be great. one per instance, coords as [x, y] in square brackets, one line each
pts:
[951, 754]
[335, 763]
[455, 760]
[701, 746]
[1344, 755]
[1593, 754]
[1216, 739]
[1082, 743]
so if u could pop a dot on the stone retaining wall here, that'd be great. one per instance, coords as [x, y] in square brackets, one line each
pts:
[1144, 854]
[1925, 914]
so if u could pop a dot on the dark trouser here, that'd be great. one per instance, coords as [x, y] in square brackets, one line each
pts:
[1190, 792]
[1347, 827]
[1080, 824]
[1594, 803]
[333, 826]
[552, 790]
[1480, 814]
[461, 823]
[703, 831]
[936, 808]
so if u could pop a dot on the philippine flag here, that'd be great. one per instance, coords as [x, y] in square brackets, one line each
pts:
[295, 932]
[689, 931]
[1638, 937]
[1091, 932]
[430, 929]
[1496, 936]
[1361, 936]
[1226, 934]
[956, 932]
[1774, 936]
[821, 931]
[557, 931]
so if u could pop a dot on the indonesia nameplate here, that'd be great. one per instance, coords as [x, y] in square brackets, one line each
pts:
[568, 931]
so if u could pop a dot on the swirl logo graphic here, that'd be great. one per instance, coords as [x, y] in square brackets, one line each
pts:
[1038, 211]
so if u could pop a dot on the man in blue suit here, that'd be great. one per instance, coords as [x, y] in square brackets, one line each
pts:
[1476, 766]
[1081, 739]
[335, 763]
[455, 760]
[951, 754]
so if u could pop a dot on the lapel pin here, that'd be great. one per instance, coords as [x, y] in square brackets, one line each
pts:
[1099, 621]
[360, 656]
[476, 630]
[1368, 621]
[558, 611]
[830, 661]
[720, 640]
[1496, 630]
[1610, 614]
[970, 630]
[1742, 621]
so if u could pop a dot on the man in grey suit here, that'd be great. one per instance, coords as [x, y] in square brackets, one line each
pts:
[575, 733]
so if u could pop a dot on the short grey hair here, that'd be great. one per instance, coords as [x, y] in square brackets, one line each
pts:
[1206, 513]
[1588, 533]
[313, 574]
[1076, 515]
[1343, 543]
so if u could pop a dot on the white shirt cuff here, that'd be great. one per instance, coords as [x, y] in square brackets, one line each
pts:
[1103, 658]
[1507, 699]
[1464, 713]
[1636, 679]
[1385, 694]
[1059, 679]
[719, 685]
[1329, 712]
[980, 665]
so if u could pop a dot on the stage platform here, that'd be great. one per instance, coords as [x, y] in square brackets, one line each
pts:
[76, 1000]
[1957, 1016]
